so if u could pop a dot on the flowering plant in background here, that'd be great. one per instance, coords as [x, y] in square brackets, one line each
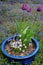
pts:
[29, 9]
[37, 13]
[39, 8]
[24, 6]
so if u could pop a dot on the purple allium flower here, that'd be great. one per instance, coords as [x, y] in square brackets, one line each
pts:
[24, 6]
[39, 8]
[28, 9]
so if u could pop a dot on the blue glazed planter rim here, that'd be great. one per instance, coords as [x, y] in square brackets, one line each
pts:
[19, 57]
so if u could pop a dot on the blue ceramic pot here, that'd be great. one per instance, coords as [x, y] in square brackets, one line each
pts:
[25, 60]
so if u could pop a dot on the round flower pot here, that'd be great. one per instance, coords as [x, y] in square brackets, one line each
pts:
[24, 60]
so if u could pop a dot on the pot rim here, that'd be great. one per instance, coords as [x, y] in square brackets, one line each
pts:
[20, 57]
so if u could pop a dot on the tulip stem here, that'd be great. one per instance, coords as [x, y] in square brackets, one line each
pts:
[23, 17]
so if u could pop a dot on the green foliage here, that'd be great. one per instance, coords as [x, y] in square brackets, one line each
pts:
[3, 10]
[39, 32]
[39, 58]
[26, 30]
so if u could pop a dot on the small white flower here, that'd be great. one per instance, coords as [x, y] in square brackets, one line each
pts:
[23, 51]
[25, 46]
[30, 44]
[19, 35]
[20, 49]
[20, 45]
[20, 40]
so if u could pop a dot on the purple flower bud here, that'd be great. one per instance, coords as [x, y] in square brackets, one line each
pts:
[28, 9]
[24, 6]
[39, 8]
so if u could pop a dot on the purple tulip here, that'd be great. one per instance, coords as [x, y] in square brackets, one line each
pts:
[39, 8]
[24, 6]
[28, 9]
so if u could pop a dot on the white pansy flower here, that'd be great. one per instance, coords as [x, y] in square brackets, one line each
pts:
[14, 44]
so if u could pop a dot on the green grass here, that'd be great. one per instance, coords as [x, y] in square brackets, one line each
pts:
[7, 28]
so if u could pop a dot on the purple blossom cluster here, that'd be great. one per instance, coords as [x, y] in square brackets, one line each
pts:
[29, 9]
